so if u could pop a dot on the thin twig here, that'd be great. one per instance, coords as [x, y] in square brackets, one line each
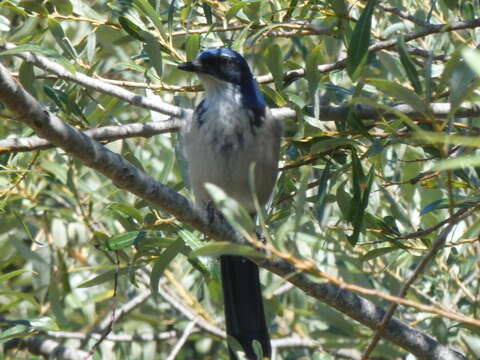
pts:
[178, 346]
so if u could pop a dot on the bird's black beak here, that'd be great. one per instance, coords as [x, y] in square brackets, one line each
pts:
[192, 66]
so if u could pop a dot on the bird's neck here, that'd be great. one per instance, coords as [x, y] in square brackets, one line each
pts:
[251, 96]
[247, 93]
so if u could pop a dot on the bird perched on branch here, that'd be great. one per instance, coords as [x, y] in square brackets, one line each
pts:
[232, 130]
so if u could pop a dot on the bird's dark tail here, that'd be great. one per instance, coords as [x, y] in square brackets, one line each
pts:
[244, 315]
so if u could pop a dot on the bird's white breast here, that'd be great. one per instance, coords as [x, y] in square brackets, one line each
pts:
[221, 145]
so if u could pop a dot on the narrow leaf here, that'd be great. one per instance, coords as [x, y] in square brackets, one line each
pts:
[401, 93]
[357, 52]
[12, 274]
[216, 249]
[360, 211]
[154, 51]
[409, 67]
[123, 240]
[192, 46]
[275, 65]
[162, 262]
[377, 252]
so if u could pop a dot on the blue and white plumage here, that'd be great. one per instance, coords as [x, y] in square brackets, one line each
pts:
[232, 129]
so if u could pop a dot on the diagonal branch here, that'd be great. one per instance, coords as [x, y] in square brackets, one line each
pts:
[127, 177]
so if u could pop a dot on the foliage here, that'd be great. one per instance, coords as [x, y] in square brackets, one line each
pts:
[359, 196]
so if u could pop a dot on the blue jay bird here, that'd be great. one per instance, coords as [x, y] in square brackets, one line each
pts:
[232, 128]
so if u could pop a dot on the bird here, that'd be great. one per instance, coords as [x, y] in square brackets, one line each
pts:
[231, 130]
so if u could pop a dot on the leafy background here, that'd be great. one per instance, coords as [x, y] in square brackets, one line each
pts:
[358, 195]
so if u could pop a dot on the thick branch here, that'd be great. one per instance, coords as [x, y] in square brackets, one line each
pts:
[364, 311]
[127, 177]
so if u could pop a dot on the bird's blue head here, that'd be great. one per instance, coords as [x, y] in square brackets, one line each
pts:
[229, 66]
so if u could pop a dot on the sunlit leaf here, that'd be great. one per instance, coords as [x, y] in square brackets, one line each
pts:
[216, 249]
[357, 51]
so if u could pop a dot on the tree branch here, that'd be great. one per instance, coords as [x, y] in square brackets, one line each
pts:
[148, 102]
[378, 46]
[106, 134]
[129, 178]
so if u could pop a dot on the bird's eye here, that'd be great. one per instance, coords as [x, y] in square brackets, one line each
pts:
[225, 60]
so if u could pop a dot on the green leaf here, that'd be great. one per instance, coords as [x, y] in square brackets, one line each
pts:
[14, 8]
[43, 323]
[132, 29]
[357, 52]
[104, 277]
[240, 39]
[291, 8]
[17, 331]
[320, 201]
[145, 8]
[446, 139]
[12, 274]
[27, 77]
[128, 210]
[162, 262]
[59, 35]
[234, 9]
[360, 208]
[192, 46]
[36, 49]
[328, 143]
[34, 6]
[216, 249]
[207, 12]
[64, 7]
[473, 344]
[257, 349]
[472, 58]
[5, 24]
[339, 7]
[377, 252]
[409, 67]
[30, 297]
[236, 347]
[312, 74]
[275, 65]
[357, 179]
[171, 12]
[91, 45]
[154, 51]
[59, 171]
[458, 163]
[401, 93]
[122, 241]
[449, 68]
[344, 201]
